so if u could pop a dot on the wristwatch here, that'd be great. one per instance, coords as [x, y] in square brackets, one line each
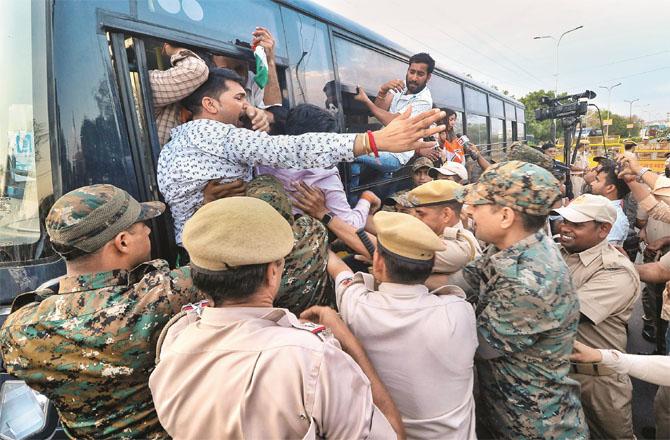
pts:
[642, 171]
[327, 218]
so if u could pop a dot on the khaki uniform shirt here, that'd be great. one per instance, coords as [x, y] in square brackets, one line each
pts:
[607, 285]
[461, 248]
[422, 346]
[90, 348]
[665, 311]
[256, 373]
[656, 204]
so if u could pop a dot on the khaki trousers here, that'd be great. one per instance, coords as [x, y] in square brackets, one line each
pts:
[607, 403]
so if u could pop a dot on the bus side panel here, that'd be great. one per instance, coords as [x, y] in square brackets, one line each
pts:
[93, 140]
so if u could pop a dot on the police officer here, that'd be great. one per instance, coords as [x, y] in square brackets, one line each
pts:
[435, 204]
[607, 285]
[527, 310]
[423, 345]
[244, 369]
[90, 347]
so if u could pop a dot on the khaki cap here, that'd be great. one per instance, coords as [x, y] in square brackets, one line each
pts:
[422, 162]
[406, 236]
[588, 207]
[90, 216]
[434, 193]
[450, 169]
[236, 231]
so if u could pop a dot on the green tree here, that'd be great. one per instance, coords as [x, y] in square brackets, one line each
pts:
[540, 129]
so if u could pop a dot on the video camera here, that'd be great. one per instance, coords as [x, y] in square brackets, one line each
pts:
[563, 106]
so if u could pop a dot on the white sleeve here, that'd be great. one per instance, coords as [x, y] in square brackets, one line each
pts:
[652, 369]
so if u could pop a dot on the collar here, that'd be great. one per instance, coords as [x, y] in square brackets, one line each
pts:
[230, 315]
[458, 225]
[100, 280]
[91, 281]
[518, 248]
[403, 290]
[589, 255]
[618, 203]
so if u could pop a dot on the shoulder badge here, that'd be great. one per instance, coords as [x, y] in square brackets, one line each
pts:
[316, 329]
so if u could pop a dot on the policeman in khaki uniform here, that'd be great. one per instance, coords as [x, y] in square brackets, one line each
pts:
[244, 369]
[421, 344]
[607, 285]
[90, 347]
[527, 310]
[435, 204]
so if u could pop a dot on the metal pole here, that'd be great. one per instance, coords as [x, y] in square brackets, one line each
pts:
[609, 112]
[630, 112]
[558, 43]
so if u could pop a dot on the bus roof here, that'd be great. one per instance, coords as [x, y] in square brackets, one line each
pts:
[311, 8]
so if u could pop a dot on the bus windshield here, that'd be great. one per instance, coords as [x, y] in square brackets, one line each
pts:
[26, 188]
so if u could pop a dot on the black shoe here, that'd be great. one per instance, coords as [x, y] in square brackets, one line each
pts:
[649, 334]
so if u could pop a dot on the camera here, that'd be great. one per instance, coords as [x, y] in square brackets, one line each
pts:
[563, 106]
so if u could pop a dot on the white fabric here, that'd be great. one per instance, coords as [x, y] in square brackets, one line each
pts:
[420, 102]
[652, 369]
[255, 94]
[422, 346]
[619, 230]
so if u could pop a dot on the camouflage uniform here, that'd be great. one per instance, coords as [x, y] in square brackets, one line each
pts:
[91, 347]
[305, 281]
[527, 312]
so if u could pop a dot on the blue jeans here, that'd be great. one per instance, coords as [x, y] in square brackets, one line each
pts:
[387, 164]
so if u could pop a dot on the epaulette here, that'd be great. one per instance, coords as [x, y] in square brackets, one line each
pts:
[192, 310]
[316, 329]
[26, 298]
[451, 233]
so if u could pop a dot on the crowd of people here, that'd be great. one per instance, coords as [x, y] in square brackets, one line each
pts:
[462, 307]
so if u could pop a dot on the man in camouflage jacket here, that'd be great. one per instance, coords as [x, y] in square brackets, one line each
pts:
[90, 348]
[527, 309]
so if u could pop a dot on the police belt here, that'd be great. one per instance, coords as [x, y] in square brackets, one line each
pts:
[591, 369]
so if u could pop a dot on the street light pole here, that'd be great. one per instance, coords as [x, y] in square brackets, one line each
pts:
[558, 43]
[630, 112]
[609, 112]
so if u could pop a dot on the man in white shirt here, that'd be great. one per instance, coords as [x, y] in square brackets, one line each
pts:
[607, 184]
[422, 345]
[393, 99]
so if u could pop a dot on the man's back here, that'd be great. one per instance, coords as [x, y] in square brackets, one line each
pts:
[422, 346]
[244, 372]
[90, 348]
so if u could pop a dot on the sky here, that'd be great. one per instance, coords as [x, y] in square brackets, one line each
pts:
[625, 41]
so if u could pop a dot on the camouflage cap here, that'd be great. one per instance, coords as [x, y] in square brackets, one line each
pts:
[525, 153]
[518, 185]
[270, 189]
[90, 216]
[398, 198]
[421, 162]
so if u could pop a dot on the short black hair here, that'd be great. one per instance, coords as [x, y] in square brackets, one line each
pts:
[308, 118]
[233, 284]
[424, 58]
[455, 206]
[609, 167]
[547, 145]
[403, 270]
[213, 87]
[532, 223]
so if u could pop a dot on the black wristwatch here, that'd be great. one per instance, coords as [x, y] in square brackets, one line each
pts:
[327, 218]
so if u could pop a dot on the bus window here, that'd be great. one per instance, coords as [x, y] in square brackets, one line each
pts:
[26, 186]
[446, 93]
[510, 112]
[357, 65]
[496, 107]
[497, 139]
[475, 101]
[477, 130]
[312, 74]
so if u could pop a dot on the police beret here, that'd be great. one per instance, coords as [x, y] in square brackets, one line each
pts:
[236, 231]
[434, 193]
[406, 236]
